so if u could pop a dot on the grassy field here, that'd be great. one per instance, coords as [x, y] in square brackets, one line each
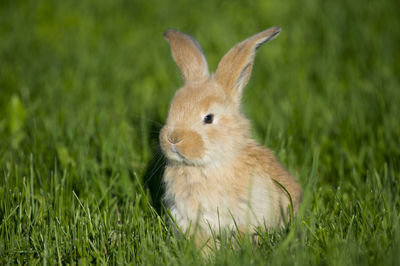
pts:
[85, 87]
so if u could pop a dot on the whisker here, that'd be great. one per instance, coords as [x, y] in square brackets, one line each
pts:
[158, 165]
[147, 119]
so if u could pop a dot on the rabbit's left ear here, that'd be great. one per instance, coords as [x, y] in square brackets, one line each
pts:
[235, 67]
[188, 55]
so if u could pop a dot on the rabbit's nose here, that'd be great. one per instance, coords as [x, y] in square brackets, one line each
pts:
[175, 136]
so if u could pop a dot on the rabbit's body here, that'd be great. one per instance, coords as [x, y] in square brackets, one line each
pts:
[242, 192]
[217, 176]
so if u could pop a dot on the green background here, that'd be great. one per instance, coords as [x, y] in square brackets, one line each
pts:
[85, 87]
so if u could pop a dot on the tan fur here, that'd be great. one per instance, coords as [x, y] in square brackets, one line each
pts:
[185, 47]
[235, 67]
[217, 176]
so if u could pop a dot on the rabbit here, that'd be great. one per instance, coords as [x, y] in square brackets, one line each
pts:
[216, 175]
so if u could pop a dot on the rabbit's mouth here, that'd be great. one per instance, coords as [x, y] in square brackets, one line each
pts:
[176, 151]
[176, 155]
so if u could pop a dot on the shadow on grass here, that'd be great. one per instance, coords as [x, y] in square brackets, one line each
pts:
[154, 171]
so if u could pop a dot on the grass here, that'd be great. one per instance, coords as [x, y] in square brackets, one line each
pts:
[85, 87]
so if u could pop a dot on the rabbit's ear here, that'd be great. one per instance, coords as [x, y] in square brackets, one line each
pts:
[188, 55]
[235, 67]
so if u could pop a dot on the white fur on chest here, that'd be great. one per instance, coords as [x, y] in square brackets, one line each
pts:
[215, 201]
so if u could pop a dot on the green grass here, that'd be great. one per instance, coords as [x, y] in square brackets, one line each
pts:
[85, 86]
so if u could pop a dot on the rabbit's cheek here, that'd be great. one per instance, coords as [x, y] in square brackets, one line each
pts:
[192, 146]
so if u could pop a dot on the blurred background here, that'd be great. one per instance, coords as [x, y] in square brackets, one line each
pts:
[85, 87]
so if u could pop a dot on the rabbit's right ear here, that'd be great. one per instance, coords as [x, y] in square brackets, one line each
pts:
[188, 55]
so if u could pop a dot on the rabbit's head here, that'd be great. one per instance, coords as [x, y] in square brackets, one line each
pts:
[205, 126]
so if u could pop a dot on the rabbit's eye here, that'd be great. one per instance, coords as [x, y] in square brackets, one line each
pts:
[208, 119]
